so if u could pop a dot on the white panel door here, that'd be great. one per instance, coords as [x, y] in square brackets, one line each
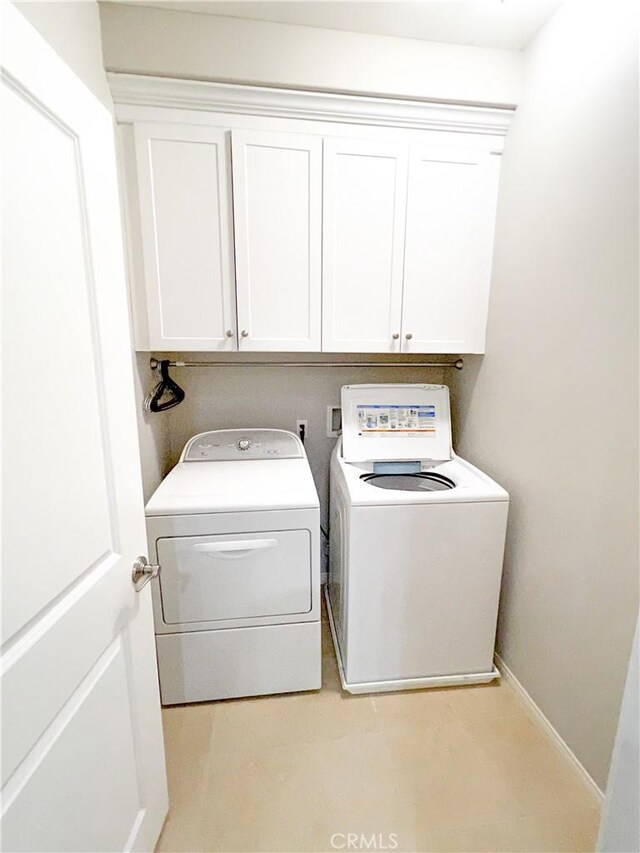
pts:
[277, 198]
[365, 184]
[451, 211]
[185, 221]
[83, 762]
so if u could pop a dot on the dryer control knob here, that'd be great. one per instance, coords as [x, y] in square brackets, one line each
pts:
[244, 444]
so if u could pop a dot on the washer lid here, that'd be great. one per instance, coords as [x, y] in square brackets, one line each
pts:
[389, 422]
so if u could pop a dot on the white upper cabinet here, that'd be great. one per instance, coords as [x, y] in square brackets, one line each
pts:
[277, 199]
[451, 209]
[183, 186]
[267, 220]
[365, 184]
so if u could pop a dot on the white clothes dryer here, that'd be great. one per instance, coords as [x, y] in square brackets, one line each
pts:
[235, 527]
[416, 546]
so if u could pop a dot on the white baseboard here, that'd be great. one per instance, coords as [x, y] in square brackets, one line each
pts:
[554, 736]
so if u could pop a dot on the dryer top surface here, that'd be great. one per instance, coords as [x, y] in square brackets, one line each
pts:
[203, 484]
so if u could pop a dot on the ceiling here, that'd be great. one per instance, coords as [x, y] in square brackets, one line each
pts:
[508, 24]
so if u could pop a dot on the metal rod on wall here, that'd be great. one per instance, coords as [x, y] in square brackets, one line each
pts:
[458, 364]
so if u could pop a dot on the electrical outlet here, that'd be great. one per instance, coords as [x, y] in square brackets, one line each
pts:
[302, 429]
[334, 421]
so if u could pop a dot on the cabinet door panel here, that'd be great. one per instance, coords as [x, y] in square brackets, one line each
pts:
[185, 218]
[448, 250]
[364, 216]
[277, 213]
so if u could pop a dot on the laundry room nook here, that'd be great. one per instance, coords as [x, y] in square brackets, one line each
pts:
[321, 433]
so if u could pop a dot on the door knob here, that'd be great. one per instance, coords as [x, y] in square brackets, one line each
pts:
[142, 573]
[408, 336]
[229, 333]
[244, 333]
[395, 336]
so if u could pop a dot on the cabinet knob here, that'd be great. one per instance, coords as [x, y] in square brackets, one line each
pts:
[395, 336]
[408, 336]
[229, 333]
[244, 333]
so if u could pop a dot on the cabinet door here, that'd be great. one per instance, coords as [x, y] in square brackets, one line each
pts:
[185, 218]
[448, 250]
[364, 217]
[277, 185]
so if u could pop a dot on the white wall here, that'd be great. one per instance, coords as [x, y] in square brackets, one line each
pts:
[210, 47]
[73, 31]
[552, 409]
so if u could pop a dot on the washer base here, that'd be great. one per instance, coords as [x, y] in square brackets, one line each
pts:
[404, 683]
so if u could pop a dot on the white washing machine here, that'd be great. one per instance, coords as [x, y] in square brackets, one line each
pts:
[417, 544]
[235, 527]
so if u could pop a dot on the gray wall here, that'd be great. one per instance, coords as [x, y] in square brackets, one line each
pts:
[552, 409]
[153, 429]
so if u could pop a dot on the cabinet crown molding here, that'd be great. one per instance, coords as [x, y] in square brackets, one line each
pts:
[165, 92]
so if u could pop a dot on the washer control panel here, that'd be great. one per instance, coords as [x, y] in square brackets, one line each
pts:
[236, 444]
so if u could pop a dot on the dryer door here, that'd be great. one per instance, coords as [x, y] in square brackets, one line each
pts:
[235, 576]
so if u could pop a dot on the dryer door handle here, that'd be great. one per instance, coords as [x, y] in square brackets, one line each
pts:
[236, 548]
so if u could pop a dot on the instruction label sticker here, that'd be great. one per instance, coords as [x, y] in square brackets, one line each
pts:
[389, 420]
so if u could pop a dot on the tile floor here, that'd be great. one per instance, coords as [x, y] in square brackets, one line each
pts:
[458, 769]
